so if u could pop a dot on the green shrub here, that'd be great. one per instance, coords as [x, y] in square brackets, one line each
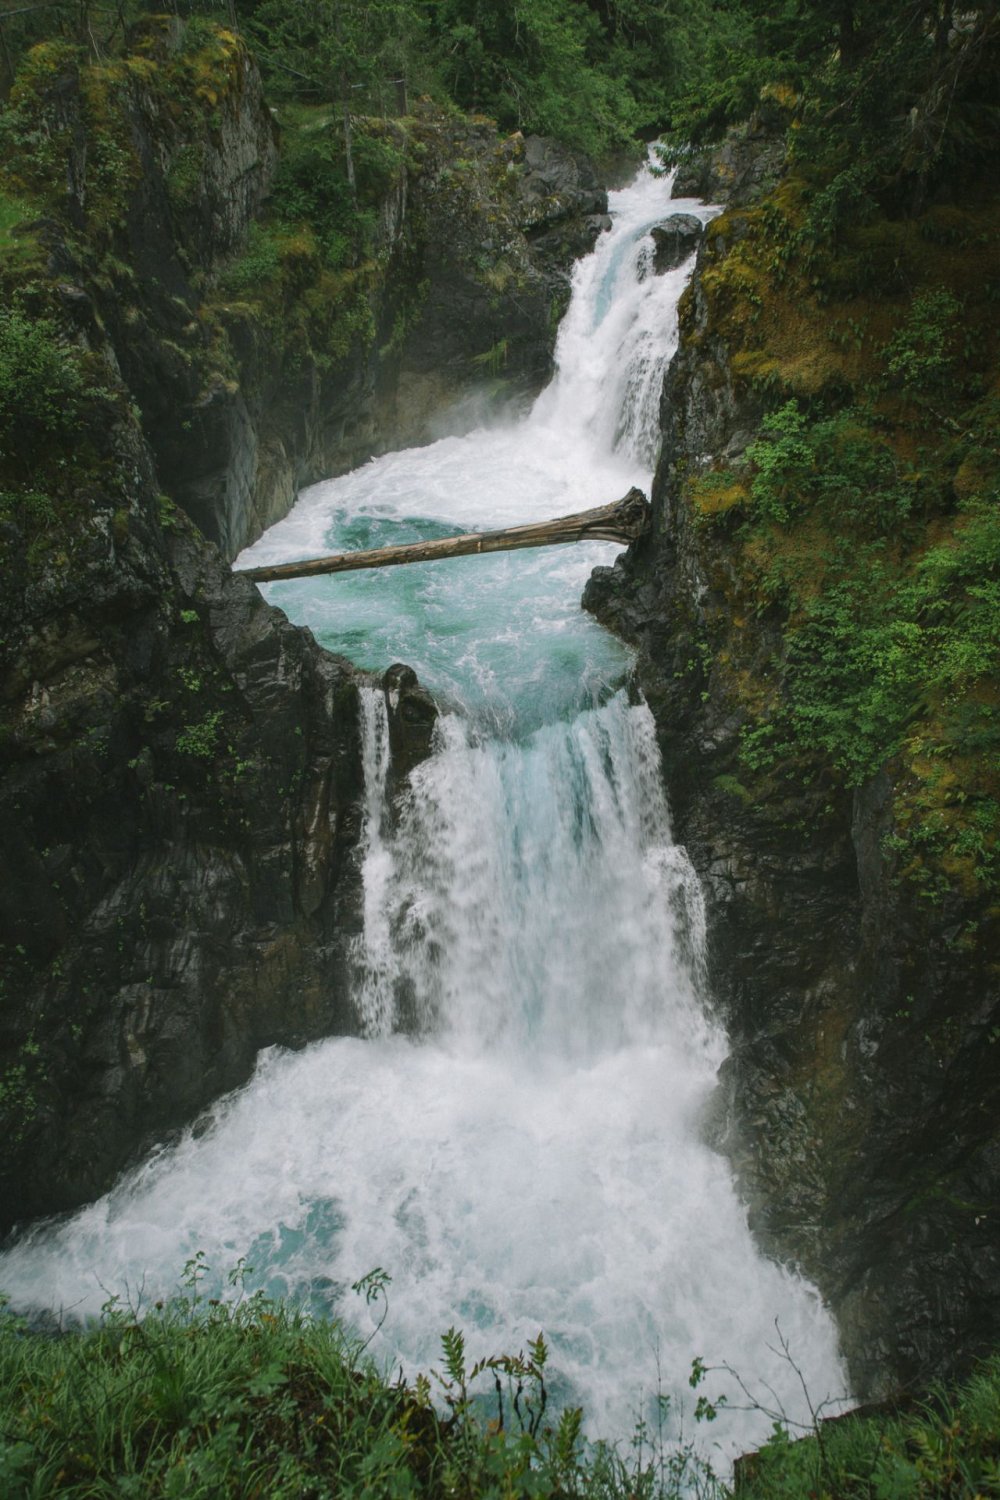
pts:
[784, 460]
[42, 379]
[199, 740]
[921, 355]
[13, 212]
[257, 267]
[838, 466]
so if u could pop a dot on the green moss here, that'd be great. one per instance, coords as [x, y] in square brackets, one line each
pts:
[184, 176]
[716, 493]
[34, 148]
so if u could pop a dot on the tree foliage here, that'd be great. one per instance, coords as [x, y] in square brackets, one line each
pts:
[593, 72]
[42, 383]
[894, 95]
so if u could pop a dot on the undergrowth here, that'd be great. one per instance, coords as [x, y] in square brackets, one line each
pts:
[246, 1397]
[944, 1448]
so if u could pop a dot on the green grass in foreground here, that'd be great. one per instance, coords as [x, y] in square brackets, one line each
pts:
[249, 1398]
[945, 1448]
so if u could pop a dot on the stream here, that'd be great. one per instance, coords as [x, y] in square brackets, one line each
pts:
[516, 1136]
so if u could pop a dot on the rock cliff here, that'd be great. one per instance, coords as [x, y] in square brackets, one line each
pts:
[181, 801]
[856, 966]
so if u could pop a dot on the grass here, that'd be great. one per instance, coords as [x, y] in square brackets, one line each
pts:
[944, 1448]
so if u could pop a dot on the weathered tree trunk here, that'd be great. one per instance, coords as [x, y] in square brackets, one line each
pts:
[624, 521]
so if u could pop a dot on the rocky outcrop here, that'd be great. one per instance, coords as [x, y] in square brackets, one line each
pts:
[179, 804]
[748, 163]
[494, 227]
[561, 205]
[860, 1099]
[674, 240]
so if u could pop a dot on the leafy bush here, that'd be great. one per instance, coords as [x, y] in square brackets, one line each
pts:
[42, 380]
[921, 356]
[783, 459]
[199, 740]
[838, 466]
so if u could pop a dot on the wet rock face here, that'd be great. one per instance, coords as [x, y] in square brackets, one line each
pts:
[493, 226]
[747, 163]
[675, 239]
[860, 1101]
[556, 181]
[413, 715]
[179, 803]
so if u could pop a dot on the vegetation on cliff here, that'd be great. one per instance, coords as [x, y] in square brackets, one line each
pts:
[857, 305]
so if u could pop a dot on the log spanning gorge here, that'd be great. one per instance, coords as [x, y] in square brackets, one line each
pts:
[624, 521]
[515, 1134]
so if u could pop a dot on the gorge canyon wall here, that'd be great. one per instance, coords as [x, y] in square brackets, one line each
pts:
[858, 978]
[181, 797]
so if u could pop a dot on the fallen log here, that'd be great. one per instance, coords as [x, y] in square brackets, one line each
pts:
[624, 521]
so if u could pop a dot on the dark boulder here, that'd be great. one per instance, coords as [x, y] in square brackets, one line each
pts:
[675, 239]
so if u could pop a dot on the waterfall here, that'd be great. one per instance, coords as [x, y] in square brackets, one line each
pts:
[528, 883]
[516, 1133]
[618, 336]
[373, 950]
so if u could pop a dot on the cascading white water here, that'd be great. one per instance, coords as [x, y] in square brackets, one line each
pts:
[374, 966]
[529, 1156]
[544, 872]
